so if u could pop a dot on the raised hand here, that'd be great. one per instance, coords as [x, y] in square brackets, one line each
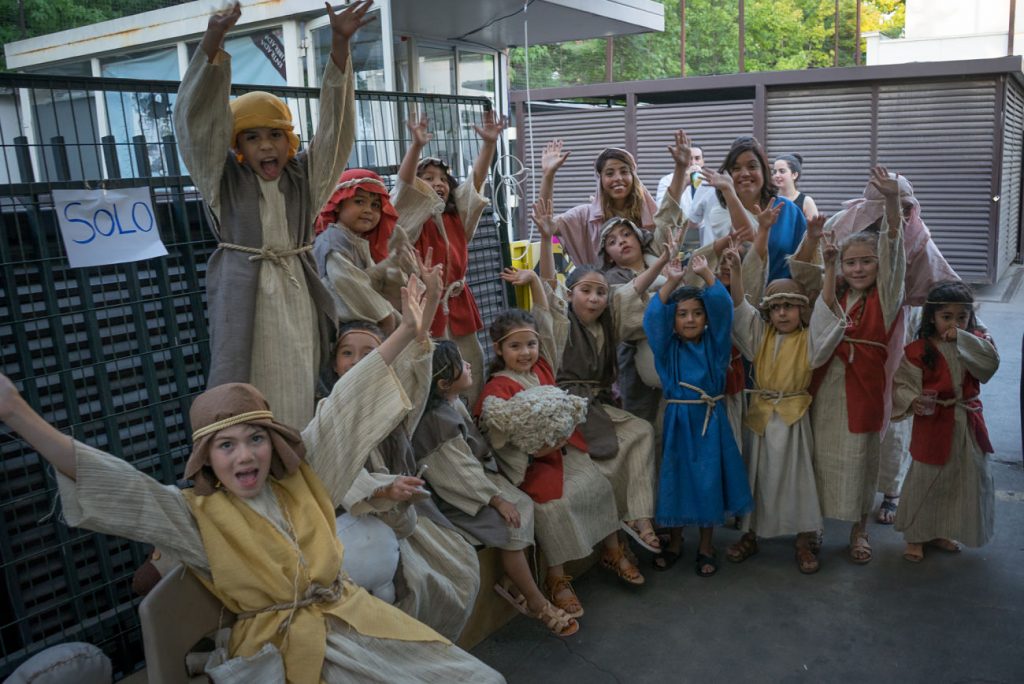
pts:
[742, 234]
[671, 243]
[412, 305]
[541, 216]
[680, 150]
[829, 248]
[699, 266]
[881, 181]
[418, 127]
[492, 127]
[552, 158]
[431, 275]
[719, 181]
[217, 27]
[518, 276]
[766, 218]
[816, 226]
[345, 23]
[731, 259]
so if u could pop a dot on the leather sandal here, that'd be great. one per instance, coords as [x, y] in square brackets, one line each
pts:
[743, 549]
[887, 510]
[860, 547]
[557, 620]
[503, 588]
[619, 563]
[806, 559]
[644, 537]
[569, 604]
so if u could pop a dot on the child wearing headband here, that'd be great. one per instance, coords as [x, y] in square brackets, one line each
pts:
[784, 340]
[949, 495]
[271, 319]
[703, 478]
[574, 504]
[446, 234]
[299, 617]
[469, 488]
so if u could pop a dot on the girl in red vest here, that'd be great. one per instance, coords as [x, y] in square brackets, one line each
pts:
[948, 493]
[457, 211]
[847, 413]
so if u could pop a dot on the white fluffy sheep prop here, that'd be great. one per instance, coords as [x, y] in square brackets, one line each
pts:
[535, 418]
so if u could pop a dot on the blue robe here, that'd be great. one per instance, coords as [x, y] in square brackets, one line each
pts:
[703, 478]
[787, 232]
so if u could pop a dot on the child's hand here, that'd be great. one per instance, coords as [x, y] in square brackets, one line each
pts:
[816, 226]
[671, 245]
[492, 128]
[719, 181]
[731, 259]
[766, 218]
[507, 511]
[431, 275]
[680, 151]
[699, 265]
[741, 235]
[417, 126]
[402, 489]
[223, 21]
[829, 248]
[412, 306]
[518, 276]
[542, 218]
[880, 180]
[552, 158]
[9, 397]
[950, 334]
[674, 270]
[345, 23]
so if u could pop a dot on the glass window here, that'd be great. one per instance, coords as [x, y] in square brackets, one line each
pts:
[436, 71]
[257, 58]
[367, 54]
[64, 69]
[476, 74]
[131, 114]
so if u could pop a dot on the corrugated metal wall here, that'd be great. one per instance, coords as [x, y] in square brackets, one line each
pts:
[1010, 190]
[831, 129]
[941, 136]
[711, 125]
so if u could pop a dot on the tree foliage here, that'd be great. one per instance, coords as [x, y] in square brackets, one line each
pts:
[779, 35]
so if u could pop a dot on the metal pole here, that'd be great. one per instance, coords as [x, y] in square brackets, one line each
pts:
[743, 38]
[1013, 26]
[682, 37]
[856, 55]
[835, 50]
[609, 52]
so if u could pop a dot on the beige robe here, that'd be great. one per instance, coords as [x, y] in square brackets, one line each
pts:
[955, 500]
[142, 509]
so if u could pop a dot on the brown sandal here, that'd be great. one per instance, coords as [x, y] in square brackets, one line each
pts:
[614, 561]
[557, 620]
[743, 549]
[645, 537]
[806, 559]
[569, 604]
[860, 547]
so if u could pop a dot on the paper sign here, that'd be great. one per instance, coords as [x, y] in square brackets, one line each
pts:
[107, 226]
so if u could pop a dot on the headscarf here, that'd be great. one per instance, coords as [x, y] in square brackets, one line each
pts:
[260, 109]
[362, 179]
[237, 403]
[643, 236]
[648, 206]
[786, 290]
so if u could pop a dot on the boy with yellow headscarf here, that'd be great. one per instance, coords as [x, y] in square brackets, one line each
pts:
[271, 318]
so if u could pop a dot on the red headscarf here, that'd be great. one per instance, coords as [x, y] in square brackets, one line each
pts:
[362, 179]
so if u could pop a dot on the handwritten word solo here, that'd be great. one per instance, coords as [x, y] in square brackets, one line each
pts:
[107, 226]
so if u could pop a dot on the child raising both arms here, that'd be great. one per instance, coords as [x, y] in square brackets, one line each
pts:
[948, 496]
[271, 319]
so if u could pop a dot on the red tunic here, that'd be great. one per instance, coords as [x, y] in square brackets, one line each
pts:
[543, 479]
[932, 436]
[865, 364]
[463, 317]
[736, 374]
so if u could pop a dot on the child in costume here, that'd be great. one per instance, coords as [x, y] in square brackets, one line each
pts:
[785, 341]
[447, 233]
[271, 319]
[439, 575]
[491, 511]
[574, 504]
[361, 253]
[948, 496]
[256, 478]
[847, 414]
[702, 478]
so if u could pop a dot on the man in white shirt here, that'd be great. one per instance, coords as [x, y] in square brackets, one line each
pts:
[695, 193]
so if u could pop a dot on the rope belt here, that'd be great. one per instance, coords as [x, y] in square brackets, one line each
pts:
[315, 594]
[453, 290]
[705, 399]
[854, 341]
[592, 387]
[962, 403]
[275, 257]
[775, 396]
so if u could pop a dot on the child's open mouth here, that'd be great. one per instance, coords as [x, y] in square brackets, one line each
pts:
[270, 168]
[248, 478]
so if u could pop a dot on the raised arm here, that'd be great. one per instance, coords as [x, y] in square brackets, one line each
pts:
[551, 159]
[765, 220]
[344, 25]
[542, 218]
[53, 445]
[526, 277]
[741, 222]
[674, 273]
[808, 248]
[419, 136]
[680, 153]
[731, 257]
[830, 254]
[216, 28]
[489, 134]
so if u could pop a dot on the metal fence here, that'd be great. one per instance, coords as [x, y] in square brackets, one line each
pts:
[114, 355]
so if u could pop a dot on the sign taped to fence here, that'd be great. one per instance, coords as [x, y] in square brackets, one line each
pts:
[107, 226]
